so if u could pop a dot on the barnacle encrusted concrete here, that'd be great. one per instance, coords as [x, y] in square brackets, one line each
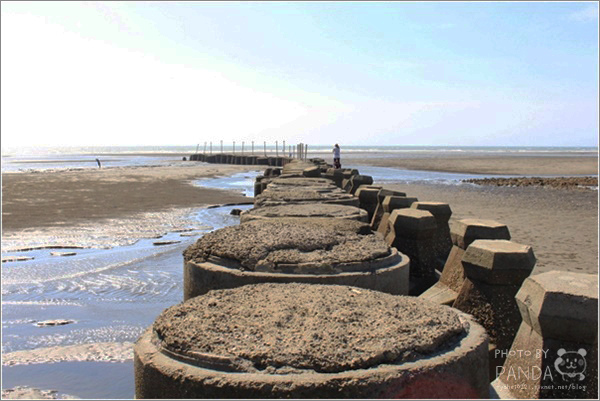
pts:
[318, 250]
[306, 210]
[310, 341]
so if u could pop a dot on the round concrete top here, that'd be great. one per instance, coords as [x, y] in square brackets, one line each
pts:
[306, 210]
[292, 328]
[274, 244]
[300, 194]
[302, 182]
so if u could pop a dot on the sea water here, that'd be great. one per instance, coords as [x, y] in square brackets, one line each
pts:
[110, 294]
[26, 159]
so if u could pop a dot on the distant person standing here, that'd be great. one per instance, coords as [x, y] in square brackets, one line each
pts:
[336, 156]
[98, 161]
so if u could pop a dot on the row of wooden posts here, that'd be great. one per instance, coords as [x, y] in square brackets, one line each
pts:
[299, 151]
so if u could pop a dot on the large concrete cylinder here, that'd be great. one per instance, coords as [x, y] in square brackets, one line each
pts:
[310, 250]
[304, 211]
[286, 182]
[296, 166]
[310, 341]
[282, 196]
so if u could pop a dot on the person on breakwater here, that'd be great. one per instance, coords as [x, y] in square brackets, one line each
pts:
[336, 156]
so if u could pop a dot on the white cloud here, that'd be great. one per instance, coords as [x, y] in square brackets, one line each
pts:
[586, 14]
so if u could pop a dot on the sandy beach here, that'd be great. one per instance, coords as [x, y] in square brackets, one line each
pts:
[65, 198]
[478, 164]
[33, 200]
[561, 225]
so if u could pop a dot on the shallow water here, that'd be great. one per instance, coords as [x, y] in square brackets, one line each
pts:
[81, 379]
[111, 295]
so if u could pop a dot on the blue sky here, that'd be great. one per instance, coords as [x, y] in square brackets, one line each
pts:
[386, 73]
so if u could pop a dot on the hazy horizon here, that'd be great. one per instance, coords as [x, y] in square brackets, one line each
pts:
[356, 73]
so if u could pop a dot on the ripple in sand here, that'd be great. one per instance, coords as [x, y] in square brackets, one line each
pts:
[63, 253]
[27, 393]
[95, 352]
[54, 322]
[12, 258]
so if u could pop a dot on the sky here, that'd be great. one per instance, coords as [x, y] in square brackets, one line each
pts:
[354, 73]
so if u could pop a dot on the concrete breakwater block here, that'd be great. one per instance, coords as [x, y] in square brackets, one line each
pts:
[336, 175]
[495, 270]
[314, 171]
[389, 204]
[296, 167]
[555, 352]
[367, 198]
[305, 210]
[378, 214]
[443, 242]
[290, 181]
[462, 233]
[355, 181]
[412, 233]
[281, 196]
[287, 182]
[311, 250]
[310, 341]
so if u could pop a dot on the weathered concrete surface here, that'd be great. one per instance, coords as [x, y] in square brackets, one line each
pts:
[465, 231]
[389, 204]
[318, 250]
[560, 318]
[378, 214]
[498, 262]
[412, 232]
[280, 241]
[561, 305]
[336, 175]
[495, 270]
[295, 181]
[296, 166]
[305, 210]
[462, 232]
[442, 213]
[357, 180]
[310, 341]
[367, 198]
[446, 289]
[314, 171]
[303, 195]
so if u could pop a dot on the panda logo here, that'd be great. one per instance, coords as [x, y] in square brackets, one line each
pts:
[571, 364]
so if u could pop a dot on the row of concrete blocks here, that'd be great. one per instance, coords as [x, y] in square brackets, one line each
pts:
[455, 368]
[222, 158]
[483, 274]
[483, 281]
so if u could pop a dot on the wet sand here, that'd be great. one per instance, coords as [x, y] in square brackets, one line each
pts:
[66, 198]
[478, 164]
[560, 224]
